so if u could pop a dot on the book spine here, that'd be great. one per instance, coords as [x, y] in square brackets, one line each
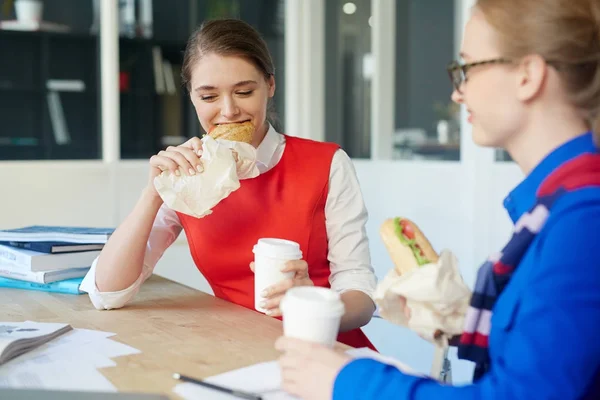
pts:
[40, 247]
[23, 275]
[56, 287]
[14, 257]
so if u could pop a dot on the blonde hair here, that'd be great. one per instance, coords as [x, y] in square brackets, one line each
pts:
[566, 33]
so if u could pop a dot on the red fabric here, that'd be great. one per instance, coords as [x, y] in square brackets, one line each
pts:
[587, 174]
[501, 269]
[285, 202]
[476, 338]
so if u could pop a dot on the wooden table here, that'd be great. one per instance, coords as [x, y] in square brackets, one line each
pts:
[178, 329]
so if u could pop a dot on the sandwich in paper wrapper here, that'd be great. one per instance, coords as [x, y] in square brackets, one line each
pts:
[197, 194]
[430, 286]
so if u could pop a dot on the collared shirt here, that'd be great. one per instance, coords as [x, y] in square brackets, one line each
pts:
[544, 330]
[345, 214]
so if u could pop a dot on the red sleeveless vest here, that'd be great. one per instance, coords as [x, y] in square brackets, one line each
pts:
[287, 202]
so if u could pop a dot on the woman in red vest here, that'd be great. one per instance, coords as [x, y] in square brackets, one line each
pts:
[307, 191]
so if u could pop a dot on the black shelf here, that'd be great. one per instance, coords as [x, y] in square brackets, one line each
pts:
[17, 89]
[146, 116]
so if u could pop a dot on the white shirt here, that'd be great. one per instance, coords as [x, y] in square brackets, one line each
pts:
[345, 220]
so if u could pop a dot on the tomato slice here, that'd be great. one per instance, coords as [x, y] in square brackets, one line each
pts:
[407, 230]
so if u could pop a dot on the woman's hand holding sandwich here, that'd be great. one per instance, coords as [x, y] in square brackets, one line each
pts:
[184, 158]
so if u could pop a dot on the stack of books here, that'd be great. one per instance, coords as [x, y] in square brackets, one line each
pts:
[49, 258]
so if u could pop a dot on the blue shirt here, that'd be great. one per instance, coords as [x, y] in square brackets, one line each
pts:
[545, 336]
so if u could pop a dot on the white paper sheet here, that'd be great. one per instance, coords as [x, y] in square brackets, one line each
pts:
[113, 349]
[31, 375]
[83, 356]
[68, 362]
[255, 377]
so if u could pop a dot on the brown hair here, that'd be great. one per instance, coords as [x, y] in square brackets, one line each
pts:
[566, 33]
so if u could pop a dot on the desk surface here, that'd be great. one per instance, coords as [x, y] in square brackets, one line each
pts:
[178, 329]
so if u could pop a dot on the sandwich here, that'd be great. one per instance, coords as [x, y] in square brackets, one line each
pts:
[237, 132]
[407, 245]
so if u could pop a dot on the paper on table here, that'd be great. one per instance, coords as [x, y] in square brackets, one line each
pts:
[436, 295]
[264, 379]
[66, 363]
[86, 357]
[197, 194]
[81, 346]
[67, 377]
[112, 349]
[77, 337]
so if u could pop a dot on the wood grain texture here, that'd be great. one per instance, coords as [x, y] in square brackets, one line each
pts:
[178, 329]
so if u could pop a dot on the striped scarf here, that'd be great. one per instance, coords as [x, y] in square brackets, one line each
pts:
[493, 276]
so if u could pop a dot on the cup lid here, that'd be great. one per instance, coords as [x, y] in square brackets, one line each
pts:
[317, 301]
[278, 248]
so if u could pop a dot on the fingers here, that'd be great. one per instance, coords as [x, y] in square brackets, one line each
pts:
[300, 267]
[272, 306]
[186, 158]
[164, 164]
[252, 266]
[177, 160]
[289, 374]
[278, 289]
[195, 144]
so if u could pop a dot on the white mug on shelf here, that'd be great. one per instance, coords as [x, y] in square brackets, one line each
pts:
[29, 10]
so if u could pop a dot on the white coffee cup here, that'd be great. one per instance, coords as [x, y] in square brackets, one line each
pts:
[270, 257]
[29, 10]
[312, 313]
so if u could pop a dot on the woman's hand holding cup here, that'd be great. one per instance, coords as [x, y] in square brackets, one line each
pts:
[273, 294]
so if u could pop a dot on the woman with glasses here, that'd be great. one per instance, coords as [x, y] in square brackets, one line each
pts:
[531, 85]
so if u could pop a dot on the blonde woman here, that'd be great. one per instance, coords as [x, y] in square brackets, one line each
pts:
[531, 83]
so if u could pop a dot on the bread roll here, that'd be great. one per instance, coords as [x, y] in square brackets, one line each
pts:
[238, 132]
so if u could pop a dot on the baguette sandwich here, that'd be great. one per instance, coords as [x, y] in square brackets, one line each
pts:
[407, 245]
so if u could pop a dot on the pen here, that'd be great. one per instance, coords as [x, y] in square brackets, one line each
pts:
[233, 392]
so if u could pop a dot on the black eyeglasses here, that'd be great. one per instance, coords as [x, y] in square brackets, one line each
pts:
[458, 72]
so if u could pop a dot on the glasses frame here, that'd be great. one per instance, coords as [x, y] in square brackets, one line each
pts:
[458, 72]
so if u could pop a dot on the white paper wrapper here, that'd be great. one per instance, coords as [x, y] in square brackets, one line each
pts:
[196, 195]
[435, 294]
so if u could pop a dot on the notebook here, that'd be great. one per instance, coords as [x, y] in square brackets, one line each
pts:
[17, 338]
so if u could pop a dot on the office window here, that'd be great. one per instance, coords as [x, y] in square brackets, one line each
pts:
[426, 121]
[49, 104]
[348, 67]
[50, 84]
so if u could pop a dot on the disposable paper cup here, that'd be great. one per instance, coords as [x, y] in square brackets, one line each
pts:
[29, 10]
[270, 256]
[312, 314]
